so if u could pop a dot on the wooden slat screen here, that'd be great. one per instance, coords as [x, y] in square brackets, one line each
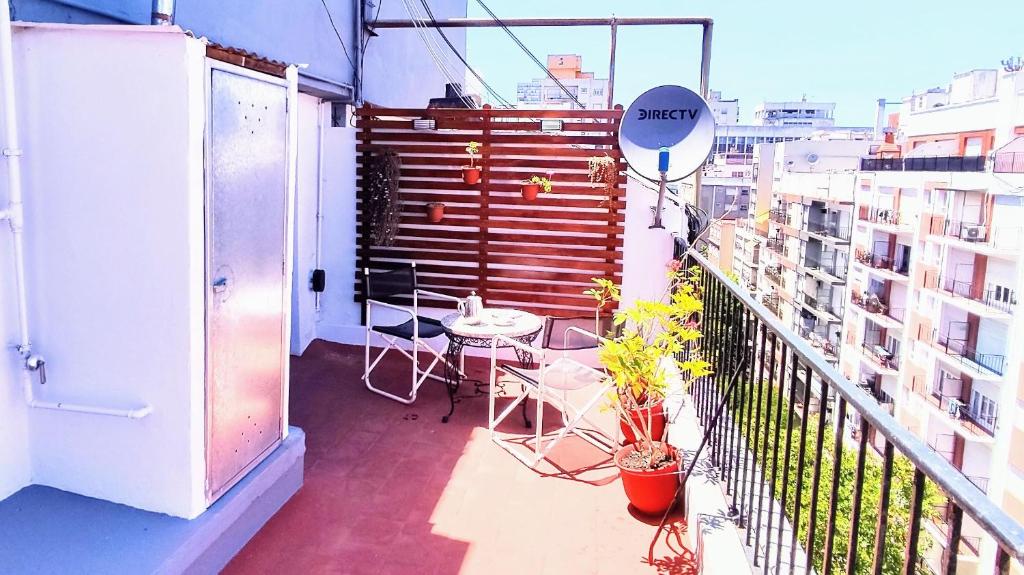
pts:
[537, 256]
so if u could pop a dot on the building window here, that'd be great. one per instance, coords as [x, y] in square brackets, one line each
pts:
[983, 410]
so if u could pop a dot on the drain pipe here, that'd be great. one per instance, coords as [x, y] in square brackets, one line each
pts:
[163, 13]
[14, 215]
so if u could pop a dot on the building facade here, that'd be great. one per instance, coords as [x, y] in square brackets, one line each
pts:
[935, 281]
[545, 93]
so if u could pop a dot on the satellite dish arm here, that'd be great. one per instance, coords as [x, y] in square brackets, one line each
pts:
[663, 170]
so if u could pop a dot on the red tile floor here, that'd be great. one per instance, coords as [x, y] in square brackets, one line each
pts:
[391, 489]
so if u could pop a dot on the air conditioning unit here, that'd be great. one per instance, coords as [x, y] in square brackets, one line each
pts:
[973, 233]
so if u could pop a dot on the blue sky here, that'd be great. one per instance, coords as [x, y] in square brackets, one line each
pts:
[851, 53]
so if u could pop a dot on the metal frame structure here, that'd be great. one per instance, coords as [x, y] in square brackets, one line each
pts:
[612, 22]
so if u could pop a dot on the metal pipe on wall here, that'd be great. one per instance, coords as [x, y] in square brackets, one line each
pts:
[14, 214]
[357, 73]
[163, 13]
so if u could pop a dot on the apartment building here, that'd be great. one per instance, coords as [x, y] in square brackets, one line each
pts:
[932, 314]
[544, 93]
[806, 189]
[728, 175]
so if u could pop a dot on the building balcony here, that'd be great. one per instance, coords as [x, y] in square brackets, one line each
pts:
[828, 270]
[779, 216]
[884, 219]
[774, 275]
[974, 236]
[778, 382]
[883, 359]
[773, 302]
[879, 310]
[830, 231]
[821, 344]
[883, 266]
[979, 365]
[996, 302]
[926, 164]
[1008, 163]
[776, 245]
[957, 415]
[821, 307]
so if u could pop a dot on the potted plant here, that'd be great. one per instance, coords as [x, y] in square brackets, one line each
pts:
[471, 173]
[643, 364]
[533, 186]
[604, 171]
[435, 212]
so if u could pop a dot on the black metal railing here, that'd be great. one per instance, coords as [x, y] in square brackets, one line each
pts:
[881, 356]
[967, 355]
[926, 164]
[1000, 298]
[776, 244]
[778, 215]
[882, 216]
[1009, 163]
[830, 266]
[830, 229]
[806, 495]
[774, 274]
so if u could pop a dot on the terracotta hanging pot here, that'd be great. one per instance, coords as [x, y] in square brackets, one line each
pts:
[471, 174]
[435, 212]
[530, 191]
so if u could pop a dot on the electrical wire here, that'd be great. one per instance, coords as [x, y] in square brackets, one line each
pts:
[435, 50]
[531, 54]
[430, 13]
[344, 48]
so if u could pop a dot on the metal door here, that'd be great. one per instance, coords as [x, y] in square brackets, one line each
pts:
[246, 193]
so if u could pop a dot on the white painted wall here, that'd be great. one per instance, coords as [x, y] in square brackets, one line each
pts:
[304, 315]
[112, 123]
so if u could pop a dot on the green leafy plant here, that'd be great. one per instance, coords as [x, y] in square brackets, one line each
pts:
[544, 183]
[473, 149]
[644, 361]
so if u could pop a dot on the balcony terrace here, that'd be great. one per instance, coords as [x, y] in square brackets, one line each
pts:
[779, 215]
[879, 311]
[885, 220]
[830, 231]
[958, 415]
[998, 241]
[883, 266]
[777, 245]
[796, 479]
[885, 361]
[1008, 163]
[774, 275]
[925, 164]
[958, 353]
[820, 305]
[993, 302]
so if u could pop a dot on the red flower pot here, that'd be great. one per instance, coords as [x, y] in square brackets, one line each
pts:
[650, 491]
[470, 175]
[657, 423]
[530, 191]
[435, 212]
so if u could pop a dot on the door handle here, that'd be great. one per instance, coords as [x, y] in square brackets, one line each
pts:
[220, 285]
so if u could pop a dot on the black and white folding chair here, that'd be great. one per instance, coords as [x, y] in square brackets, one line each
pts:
[378, 286]
[556, 377]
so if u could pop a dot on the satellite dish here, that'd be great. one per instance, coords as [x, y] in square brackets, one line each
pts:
[669, 117]
[812, 158]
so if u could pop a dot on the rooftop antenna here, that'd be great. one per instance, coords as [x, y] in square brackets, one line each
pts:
[666, 135]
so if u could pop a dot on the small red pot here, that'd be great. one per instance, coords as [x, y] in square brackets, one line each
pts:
[658, 420]
[530, 191]
[470, 175]
[435, 212]
[649, 491]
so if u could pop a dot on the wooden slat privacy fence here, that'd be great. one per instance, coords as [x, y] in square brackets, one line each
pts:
[535, 255]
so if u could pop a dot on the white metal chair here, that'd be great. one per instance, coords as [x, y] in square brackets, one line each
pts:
[556, 376]
[386, 284]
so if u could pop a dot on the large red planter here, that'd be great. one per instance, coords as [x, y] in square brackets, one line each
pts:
[657, 423]
[649, 491]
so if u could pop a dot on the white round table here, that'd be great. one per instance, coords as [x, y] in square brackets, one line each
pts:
[514, 324]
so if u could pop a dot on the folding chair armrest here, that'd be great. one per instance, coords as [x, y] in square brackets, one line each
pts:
[438, 295]
[372, 302]
[583, 332]
[507, 341]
